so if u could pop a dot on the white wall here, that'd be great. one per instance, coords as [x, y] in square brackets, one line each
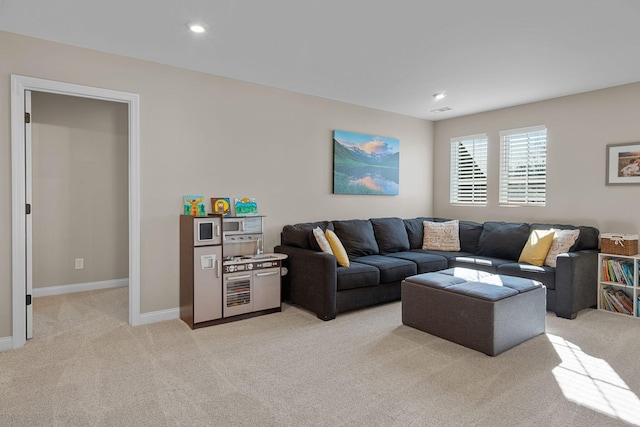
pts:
[578, 129]
[202, 134]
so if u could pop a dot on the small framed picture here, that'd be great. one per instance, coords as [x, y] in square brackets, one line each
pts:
[221, 205]
[194, 205]
[623, 163]
[246, 206]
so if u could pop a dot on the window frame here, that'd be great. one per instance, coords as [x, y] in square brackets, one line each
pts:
[530, 155]
[479, 144]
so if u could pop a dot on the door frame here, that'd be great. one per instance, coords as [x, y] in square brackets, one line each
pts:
[20, 84]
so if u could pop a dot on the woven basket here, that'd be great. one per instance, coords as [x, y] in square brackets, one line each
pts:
[619, 244]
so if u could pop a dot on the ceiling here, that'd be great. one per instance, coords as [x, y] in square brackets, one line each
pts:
[384, 54]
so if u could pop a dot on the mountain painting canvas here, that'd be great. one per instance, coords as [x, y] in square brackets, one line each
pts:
[365, 164]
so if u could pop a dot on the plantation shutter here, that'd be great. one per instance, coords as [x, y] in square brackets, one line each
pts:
[523, 166]
[468, 170]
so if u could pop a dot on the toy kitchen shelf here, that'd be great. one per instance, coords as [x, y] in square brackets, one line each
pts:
[618, 290]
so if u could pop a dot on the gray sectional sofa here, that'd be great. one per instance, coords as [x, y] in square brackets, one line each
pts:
[384, 251]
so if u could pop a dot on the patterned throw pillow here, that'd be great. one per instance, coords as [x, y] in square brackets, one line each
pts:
[322, 240]
[441, 236]
[562, 241]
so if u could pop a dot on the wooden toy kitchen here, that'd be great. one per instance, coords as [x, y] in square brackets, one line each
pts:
[224, 273]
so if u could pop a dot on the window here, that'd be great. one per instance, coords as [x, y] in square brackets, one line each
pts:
[523, 166]
[469, 170]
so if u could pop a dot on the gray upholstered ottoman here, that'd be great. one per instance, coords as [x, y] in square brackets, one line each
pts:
[487, 312]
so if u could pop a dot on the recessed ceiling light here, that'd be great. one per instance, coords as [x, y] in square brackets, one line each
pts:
[441, 110]
[197, 28]
[439, 96]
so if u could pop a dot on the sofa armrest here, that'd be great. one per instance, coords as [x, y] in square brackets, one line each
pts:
[312, 280]
[576, 282]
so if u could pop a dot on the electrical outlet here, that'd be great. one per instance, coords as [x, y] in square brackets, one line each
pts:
[79, 263]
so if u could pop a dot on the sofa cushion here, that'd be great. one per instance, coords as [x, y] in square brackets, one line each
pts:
[544, 274]
[415, 231]
[391, 234]
[391, 269]
[301, 235]
[425, 262]
[357, 237]
[337, 249]
[441, 236]
[357, 276]
[470, 232]
[447, 254]
[589, 237]
[503, 239]
[481, 263]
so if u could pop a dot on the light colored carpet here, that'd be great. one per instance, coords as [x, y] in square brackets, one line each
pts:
[87, 367]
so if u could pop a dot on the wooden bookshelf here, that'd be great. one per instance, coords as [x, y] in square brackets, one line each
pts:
[618, 289]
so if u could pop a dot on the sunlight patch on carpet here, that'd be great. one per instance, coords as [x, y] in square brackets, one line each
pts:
[592, 382]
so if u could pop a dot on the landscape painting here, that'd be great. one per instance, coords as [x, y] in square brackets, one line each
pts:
[365, 164]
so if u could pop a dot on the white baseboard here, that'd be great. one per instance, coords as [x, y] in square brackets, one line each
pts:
[159, 316]
[79, 287]
[6, 343]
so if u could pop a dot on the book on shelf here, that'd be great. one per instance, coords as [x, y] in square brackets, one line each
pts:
[616, 301]
[627, 302]
[620, 277]
[617, 271]
[627, 266]
[605, 270]
[605, 304]
[612, 271]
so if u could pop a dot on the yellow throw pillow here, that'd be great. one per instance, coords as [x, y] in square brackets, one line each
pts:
[337, 248]
[537, 247]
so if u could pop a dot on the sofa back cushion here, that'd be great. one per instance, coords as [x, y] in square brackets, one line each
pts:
[357, 237]
[470, 232]
[391, 235]
[415, 231]
[589, 237]
[503, 239]
[301, 235]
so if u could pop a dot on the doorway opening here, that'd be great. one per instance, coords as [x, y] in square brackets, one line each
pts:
[77, 169]
[21, 270]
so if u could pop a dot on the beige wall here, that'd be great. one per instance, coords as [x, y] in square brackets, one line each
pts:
[80, 189]
[578, 129]
[202, 134]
